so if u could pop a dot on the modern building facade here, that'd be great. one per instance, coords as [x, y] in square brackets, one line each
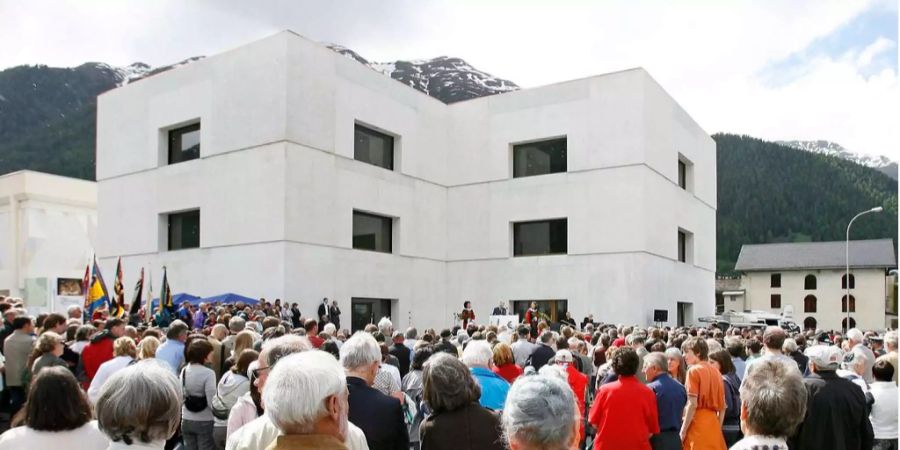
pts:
[48, 227]
[284, 170]
[811, 278]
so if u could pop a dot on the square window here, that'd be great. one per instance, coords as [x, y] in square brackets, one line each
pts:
[373, 147]
[372, 232]
[184, 143]
[539, 158]
[541, 237]
[184, 230]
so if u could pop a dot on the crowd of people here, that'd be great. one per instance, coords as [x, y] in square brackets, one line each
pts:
[260, 377]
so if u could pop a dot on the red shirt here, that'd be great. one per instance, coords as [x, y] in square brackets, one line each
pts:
[578, 383]
[509, 372]
[316, 341]
[625, 415]
[99, 351]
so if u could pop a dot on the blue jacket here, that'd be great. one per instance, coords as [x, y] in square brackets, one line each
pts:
[493, 388]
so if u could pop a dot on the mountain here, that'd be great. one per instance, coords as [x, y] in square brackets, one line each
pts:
[449, 80]
[770, 192]
[881, 163]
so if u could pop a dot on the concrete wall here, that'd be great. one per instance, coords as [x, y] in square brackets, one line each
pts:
[869, 292]
[276, 185]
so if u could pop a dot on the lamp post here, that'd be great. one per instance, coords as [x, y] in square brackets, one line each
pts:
[847, 273]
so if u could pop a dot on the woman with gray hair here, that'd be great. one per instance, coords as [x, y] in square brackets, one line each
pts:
[457, 421]
[773, 403]
[140, 405]
[540, 413]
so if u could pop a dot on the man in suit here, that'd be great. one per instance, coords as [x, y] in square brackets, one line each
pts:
[499, 310]
[335, 314]
[544, 351]
[378, 415]
[324, 312]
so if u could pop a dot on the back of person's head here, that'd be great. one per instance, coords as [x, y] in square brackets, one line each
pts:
[522, 331]
[359, 351]
[21, 322]
[540, 413]
[140, 403]
[177, 330]
[243, 361]
[124, 346]
[774, 397]
[47, 342]
[270, 322]
[53, 320]
[890, 340]
[503, 354]
[773, 338]
[237, 324]
[657, 360]
[219, 331]
[723, 359]
[734, 346]
[625, 361]
[84, 332]
[477, 354]
[789, 346]
[197, 351]
[412, 333]
[754, 345]
[855, 335]
[56, 402]
[447, 384]
[446, 333]
[547, 337]
[147, 348]
[883, 370]
[421, 356]
[385, 326]
[298, 390]
[282, 346]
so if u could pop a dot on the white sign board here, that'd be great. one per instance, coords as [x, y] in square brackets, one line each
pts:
[511, 321]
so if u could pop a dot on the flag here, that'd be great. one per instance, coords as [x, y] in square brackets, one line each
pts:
[135, 311]
[97, 294]
[117, 305]
[86, 285]
[148, 313]
[166, 306]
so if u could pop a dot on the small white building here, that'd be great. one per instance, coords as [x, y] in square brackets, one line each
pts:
[282, 169]
[48, 226]
[810, 277]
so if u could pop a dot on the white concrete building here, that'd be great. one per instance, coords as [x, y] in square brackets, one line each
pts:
[48, 227]
[289, 145]
[810, 277]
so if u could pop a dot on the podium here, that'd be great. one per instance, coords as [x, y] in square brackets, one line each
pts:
[511, 321]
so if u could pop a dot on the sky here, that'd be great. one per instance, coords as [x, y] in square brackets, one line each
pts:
[773, 69]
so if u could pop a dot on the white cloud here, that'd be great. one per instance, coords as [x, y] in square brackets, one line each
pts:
[874, 49]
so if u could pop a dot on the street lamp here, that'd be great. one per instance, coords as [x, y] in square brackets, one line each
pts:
[847, 273]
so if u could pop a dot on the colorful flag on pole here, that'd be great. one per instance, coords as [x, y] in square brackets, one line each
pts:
[117, 305]
[166, 307]
[148, 312]
[135, 311]
[98, 296]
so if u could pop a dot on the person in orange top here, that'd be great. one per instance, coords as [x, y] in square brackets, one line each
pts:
[705, 409]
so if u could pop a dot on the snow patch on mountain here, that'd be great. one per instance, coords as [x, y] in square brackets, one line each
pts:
[881, 163]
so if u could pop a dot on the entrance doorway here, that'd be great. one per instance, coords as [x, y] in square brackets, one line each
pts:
[844, 323]
[685, 314]
[809, 323]
[368, 310]
[553, 309]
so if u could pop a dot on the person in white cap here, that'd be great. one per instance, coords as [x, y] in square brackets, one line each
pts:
[577, 381]
[836, 414]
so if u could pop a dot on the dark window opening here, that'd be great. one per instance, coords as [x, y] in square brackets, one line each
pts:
[844, 281]
[543, 237]
[809, 304]
[776, 280]
[373, 147]
[809, 283]
[539, 158]
[844, 304]
[682, 246]
[184, 143]
[682, 175]
[776, 301]
[184, 230]
[372, 232]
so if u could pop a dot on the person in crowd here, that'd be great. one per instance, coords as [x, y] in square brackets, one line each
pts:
[379, 416]
[217, 333]
[791, 349]
[244, 340]
[82, 338]
[856, 343]
[836, 415]
[74, 312]
[671, 398]
[172, 351]
[773, 342]
[412, 335]
[48, 350]
[57, 323]
[412, 387]
[624, 411]
[312, 332]
[233, 385]
[17, 350]
[676, 366]
[852, 368]
[100, 350]
[705, 408]
[479, 358]
[445, 344]
[9, 315]
[56, 416]
[387, 380]
[295, 315]
[324, 312]
[505, 364]
[884, 411]
[335, 313]
[148, 347]
[522, 348]
[735, 348]
[124, 354]
[199, 383]
[401, 352]
[731, 425]
[890, 346]
[754, 350]
[306, 398]
[236, 324]
[773, 404]
[543, 353]
[577, 381]
[457, 421]
[140, 406]
[540, 415]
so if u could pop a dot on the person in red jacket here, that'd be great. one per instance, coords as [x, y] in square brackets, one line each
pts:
[577, 381]
[624, 411]
[100, 349]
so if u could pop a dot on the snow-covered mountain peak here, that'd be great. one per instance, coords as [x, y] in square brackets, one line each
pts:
[881, 163]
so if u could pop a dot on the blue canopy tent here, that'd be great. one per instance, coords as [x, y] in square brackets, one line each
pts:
[229, 298]
[177, 299]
